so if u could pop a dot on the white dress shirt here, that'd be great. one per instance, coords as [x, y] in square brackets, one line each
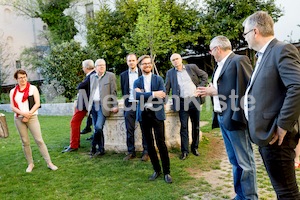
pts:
[259, 55]
[216, 99]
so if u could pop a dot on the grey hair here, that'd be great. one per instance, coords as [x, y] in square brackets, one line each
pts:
[222, 42]
[88, 64]
[262, 21]
[99, 60]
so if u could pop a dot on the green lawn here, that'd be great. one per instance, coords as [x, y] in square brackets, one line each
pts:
[80, 177]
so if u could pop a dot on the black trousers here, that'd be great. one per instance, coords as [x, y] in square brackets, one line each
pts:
[279, 163]
[130, 118]
[149, 123]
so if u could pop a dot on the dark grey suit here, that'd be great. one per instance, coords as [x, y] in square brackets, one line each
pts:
[276, 89]
[199, 78]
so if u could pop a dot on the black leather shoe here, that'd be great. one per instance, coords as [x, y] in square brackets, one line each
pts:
[195, 152]
[183, 156]
[154, 176]
[168, 178]
[129, 156]
[85, 131]
[69, 149]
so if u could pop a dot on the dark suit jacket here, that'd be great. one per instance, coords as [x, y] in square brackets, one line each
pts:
[108, 92]
[234, 76]
[157, 84]
[198, 76]
[276, 89]
[124, 79]
[84, 93]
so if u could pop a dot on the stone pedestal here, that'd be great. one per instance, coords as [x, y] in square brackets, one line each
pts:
[115, 131]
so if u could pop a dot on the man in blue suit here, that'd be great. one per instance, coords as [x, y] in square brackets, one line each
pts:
[127, 79]
[183, 80]
[150, 91]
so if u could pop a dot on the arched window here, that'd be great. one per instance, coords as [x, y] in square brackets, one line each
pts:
[7, 15]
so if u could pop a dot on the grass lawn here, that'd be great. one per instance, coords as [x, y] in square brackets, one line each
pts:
[80, 177]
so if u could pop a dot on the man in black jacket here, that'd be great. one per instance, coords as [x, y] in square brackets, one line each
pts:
[130, 105]
[81, 106]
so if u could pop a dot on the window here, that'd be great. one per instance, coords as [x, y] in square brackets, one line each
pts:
[18, 64]
[89, 10]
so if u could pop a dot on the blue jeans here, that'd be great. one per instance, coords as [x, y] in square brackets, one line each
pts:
[98, 122]
[241, 157]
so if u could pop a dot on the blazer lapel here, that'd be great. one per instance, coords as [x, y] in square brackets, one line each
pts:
[263, 60]
[226, 64]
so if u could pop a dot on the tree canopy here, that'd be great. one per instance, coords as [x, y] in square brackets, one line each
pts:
[223, 17]
[115, 33]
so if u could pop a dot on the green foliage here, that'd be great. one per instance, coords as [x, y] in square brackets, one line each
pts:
[110, 31]
[64, 65]
[223, 17]
[152, 34]
[4, 98]
[62, 27]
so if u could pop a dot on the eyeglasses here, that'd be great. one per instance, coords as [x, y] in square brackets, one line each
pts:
[244, 34]
[144, 64]
[210, 51]
[20, 78]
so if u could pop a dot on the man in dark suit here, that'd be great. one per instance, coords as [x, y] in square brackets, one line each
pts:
[183, 80]
[81, 104]
[103, 102]
[273, 105]
[150, 91]
[127, 79]
[229, 83]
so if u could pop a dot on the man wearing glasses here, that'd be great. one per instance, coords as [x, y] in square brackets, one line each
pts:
[150, 91]
[229, 82]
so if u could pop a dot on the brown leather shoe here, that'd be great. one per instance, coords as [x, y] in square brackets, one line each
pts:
[129, 156]
[145, 157]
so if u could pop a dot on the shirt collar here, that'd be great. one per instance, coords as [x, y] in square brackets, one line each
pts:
[133, 72]
[263, 49]
[222, 62]
[101, 75]
[183, 68]
[89, 72]
[147, 76]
